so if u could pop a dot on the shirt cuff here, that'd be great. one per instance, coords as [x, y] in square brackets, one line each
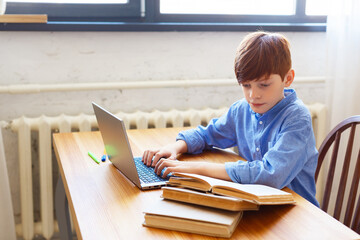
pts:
[230, 168]
[193, 144]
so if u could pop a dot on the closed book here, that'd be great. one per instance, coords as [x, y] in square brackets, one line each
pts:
[207, 199]
[191, 218]
[256, 193]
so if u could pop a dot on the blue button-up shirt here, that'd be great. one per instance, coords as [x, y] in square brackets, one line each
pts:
[279, 145]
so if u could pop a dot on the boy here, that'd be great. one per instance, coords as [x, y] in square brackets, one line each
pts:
[271, 127]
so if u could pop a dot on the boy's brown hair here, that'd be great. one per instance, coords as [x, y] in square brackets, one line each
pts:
[261, 54]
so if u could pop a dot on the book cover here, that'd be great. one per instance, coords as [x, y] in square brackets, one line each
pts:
[191, 218]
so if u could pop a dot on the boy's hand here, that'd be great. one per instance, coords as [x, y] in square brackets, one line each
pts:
[170, 151]
[151, 157]
[177, 166]
[215, 170]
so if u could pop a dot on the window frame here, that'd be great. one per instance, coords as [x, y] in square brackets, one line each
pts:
[130, 17]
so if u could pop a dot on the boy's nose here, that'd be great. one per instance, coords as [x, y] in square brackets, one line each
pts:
[254, 94]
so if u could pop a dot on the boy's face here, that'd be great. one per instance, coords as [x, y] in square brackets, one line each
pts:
[265, 93]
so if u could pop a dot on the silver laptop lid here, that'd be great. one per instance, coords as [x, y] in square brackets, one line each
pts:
[117, 146]
[116, 143]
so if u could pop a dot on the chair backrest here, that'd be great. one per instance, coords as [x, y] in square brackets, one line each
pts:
[333, 139]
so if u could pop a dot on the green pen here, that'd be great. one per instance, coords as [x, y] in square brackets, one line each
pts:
[93, 157]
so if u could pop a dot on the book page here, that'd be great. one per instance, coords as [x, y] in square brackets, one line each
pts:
[175, 209]
[254, 189]
[192, 183]
[207, 199]
[185, 225]
[208, 181]
[251, 189]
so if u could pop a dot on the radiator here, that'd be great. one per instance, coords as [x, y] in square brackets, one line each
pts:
[44, 127]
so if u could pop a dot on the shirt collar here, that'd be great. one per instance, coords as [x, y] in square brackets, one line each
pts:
[290, 96]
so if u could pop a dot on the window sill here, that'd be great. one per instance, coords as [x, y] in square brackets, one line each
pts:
[161, 26]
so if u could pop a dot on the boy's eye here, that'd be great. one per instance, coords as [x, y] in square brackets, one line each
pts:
[264, 85]
[245, 85]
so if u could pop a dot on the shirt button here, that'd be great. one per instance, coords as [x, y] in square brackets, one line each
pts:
[261, 122]
[257, 149]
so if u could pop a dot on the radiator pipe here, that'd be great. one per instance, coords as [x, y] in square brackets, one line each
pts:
[65, 87]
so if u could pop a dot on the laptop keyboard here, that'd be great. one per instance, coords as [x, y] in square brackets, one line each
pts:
[147, 174]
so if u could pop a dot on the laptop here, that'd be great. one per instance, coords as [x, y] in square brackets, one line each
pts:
[119, 151]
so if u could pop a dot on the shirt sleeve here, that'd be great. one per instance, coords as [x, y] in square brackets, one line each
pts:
[282, 162]
[218, 133]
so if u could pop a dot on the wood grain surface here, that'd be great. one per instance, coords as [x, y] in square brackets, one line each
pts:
[106, 205]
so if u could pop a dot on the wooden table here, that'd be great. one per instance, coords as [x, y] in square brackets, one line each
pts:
[105, 205]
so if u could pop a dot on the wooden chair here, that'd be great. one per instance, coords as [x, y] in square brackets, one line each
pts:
[333, 138]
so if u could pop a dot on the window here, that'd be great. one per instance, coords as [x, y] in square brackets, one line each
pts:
[77, 10]
[317, 7]
[171, 15]
[233, 7]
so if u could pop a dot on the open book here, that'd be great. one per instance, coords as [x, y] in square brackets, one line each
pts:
[258, 194]
[190, 218]
[207, 199]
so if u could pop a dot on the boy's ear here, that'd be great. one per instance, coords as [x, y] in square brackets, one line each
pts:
[289, 78]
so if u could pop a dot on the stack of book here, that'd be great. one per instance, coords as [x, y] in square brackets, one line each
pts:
[208, 206]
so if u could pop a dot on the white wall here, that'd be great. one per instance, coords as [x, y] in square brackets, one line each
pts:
[81, 57]
[67, 57]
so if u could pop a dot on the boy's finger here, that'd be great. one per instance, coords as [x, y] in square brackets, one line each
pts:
[156, 158]
[148, 154]
[144, 156]
[149, 158]
[167, 171]
[159, 166]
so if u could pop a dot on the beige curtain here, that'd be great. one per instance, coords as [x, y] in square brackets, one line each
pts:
[343, 41]
[343, 79]
[7, 227]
